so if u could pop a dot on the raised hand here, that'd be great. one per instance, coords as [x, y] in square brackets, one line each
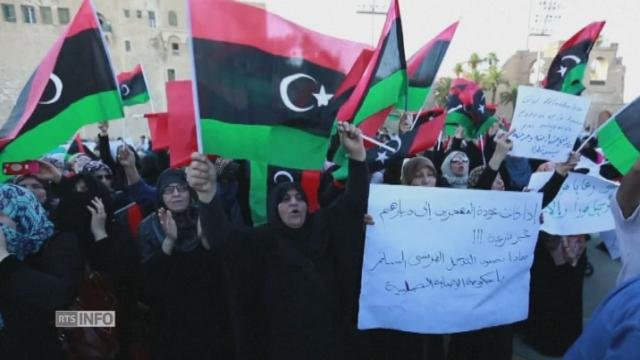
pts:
[126, 157]
[565, 167]
[48, 172]
[104, 128]
[351, 139]
[201, 176]
[98, 219]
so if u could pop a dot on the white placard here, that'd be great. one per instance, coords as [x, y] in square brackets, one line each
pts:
[581, 207]
[547, 123]
[447, 260]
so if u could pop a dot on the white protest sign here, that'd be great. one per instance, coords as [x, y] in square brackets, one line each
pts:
[447, 260]
[547, 123]
[581, 207]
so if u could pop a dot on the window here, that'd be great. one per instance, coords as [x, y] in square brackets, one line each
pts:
[171, 74]
[127, 14]
[173, 18]
[127, 45]
[598, 71]
[9, 12]
[139, 14]
[104, 23]
[28, 14]
[63, 16]
[175, 48]
[152, 19]
[46, 15]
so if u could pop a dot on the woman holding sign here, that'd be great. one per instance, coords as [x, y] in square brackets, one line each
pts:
[496, 343]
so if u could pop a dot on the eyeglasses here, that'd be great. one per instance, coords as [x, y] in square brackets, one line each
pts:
[172, 188]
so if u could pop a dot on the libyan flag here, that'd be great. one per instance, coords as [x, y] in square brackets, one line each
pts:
[383, 80]
[567, 68]
[265, 87]
[133, 87]
[422, 68]
[265, 177]
[619, 137]
[467, 107]
[73, 86]
[422, 137]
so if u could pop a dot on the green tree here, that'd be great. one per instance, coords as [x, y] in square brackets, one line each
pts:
[441, 91]
[492, 79]
[474, 61]
[510, 96]
[458, 69]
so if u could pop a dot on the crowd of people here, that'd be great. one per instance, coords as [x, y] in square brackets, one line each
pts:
[189, 276]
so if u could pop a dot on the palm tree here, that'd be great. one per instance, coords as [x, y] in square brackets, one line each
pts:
[441, 91]
[476, 76]
[509, 96]
[492, 80]
[458, 69]
[492, 59]
[474, 61]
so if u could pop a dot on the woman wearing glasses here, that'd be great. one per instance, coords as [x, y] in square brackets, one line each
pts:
[180, 282]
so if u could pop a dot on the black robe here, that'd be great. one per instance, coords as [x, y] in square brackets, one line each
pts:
[295, 290]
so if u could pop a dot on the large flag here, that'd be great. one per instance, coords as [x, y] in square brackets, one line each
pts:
[265, 177]
[422, 68]
[567, 68]
[264, 85]
[73, 86]
[383, 80]
[182, 122]
[467, 107]
[422, 137]
[133, 87]
[619, 137]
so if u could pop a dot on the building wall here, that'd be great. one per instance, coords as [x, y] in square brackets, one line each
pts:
[150, 44]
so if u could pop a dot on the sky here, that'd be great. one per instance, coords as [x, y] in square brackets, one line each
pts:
[500, 26]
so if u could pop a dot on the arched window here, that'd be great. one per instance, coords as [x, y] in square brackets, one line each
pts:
[173, 18]
[598, 71]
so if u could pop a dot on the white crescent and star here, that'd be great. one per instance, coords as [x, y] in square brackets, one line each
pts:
[322, 97]
[382, 155]
[563, 69]
[58, 84]
[282, 173]
[124, 90]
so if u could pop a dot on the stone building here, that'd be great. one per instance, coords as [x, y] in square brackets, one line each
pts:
[150, 32]
[604, 78]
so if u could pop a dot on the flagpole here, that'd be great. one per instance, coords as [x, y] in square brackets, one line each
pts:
[593, 134]
[146, 84]
[194, 82]
[376, 142]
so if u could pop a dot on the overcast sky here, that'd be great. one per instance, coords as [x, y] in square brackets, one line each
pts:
[500, 26]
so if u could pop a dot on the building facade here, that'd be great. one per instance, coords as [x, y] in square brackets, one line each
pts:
[150, 32]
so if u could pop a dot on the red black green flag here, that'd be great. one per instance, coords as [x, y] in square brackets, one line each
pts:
[265, 86]
[265, 177]
[467, 107]
[383, 80]
[133, 87]
[422, 68]
[422, 137]
[73, 86]
[567, 68]
[619, 137]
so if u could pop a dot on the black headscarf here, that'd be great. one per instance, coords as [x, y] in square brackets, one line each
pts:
[72, 214]
[187, 221]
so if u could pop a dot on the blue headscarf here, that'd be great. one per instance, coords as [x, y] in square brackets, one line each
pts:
[33, 227]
